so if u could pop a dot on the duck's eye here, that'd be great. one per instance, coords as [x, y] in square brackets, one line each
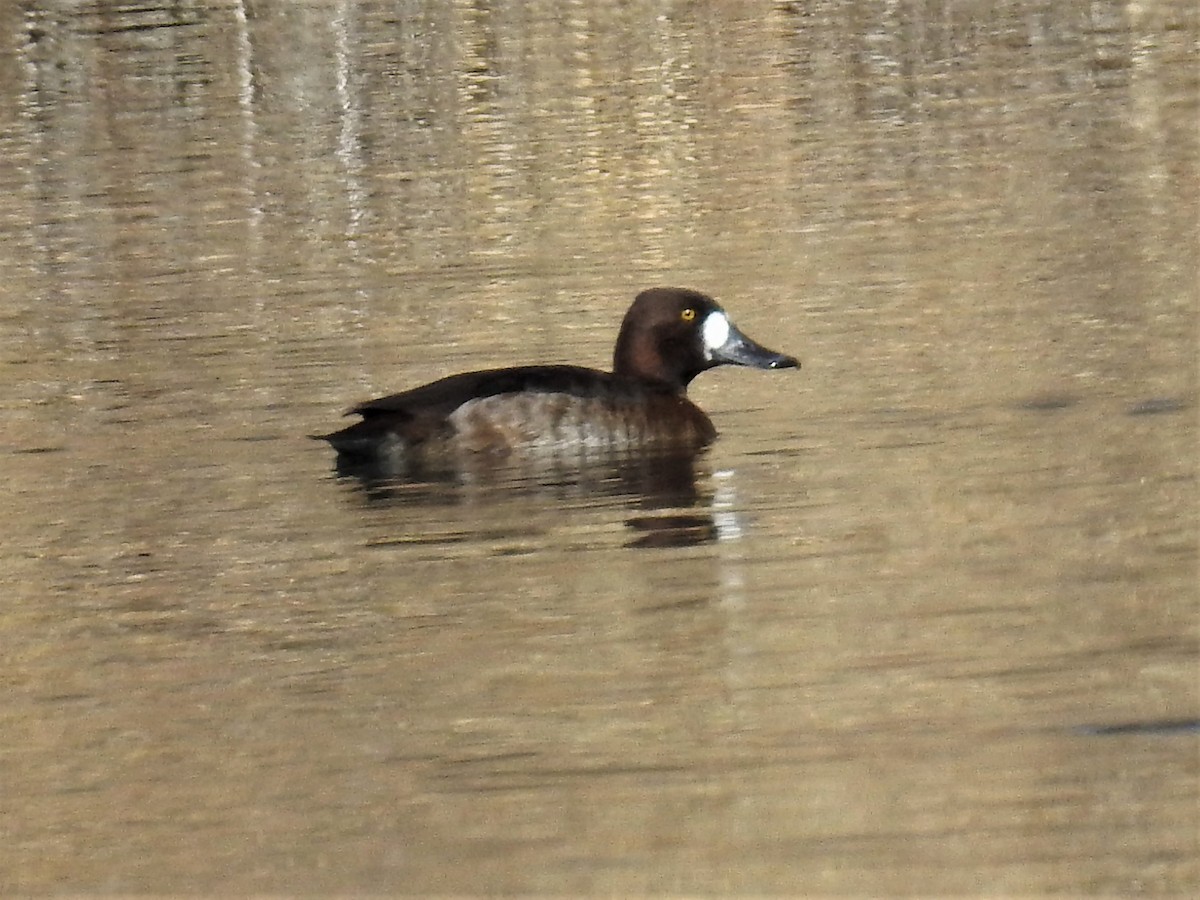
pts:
[688, 314]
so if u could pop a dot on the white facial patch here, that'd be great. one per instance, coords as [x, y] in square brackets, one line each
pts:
[715, 332]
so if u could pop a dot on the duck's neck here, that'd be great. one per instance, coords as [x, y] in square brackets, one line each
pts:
[639, 357]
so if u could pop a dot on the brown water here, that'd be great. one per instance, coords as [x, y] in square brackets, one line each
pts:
[924, 620]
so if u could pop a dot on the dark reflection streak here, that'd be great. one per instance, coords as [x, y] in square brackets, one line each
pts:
[533, 779]
[490, 788]
[1048, 402]
[435, 541]
[988, 674]
[975, 611]
[670, 607]
[592, 772]
[1157, 406]
[981, 832]
[903, 445]
[534, 776]
[424, 622]
[123, 29]
[492, 758]
[1160, 727]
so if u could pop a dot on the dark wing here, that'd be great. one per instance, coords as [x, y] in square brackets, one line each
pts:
[440, 398]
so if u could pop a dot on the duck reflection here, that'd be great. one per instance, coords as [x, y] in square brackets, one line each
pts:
[668, 497]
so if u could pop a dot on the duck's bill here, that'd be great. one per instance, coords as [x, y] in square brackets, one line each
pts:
[739, 350]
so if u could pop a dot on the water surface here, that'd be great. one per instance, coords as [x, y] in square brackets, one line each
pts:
[924, 619]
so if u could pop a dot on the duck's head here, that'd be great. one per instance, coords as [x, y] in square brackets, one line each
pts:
[671, 335]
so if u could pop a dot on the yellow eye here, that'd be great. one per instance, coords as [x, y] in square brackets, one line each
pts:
[688, 314]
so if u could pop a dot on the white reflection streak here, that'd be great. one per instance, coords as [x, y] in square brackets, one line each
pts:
[728, 526]
[27, 105]
[348, 151]
[245, 67]
[728, 529]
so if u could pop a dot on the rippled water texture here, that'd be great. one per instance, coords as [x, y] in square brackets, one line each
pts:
[923, 620]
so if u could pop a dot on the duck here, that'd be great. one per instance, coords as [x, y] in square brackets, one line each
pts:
[668, 336]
